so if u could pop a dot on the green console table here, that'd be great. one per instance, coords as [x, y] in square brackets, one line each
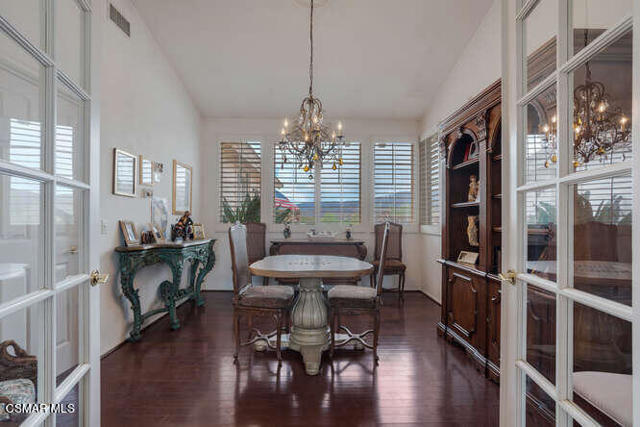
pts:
[132, 258]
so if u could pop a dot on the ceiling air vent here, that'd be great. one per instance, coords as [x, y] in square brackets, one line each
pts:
[119, 20]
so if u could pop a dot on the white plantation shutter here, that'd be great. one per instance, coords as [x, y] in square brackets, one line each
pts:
[293, 191]
[64, 151]
[340, 188]
[429, 152]
[393, 182]
[240, 173]
[434, 181]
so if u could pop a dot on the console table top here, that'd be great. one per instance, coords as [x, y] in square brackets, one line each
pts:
[163, 245]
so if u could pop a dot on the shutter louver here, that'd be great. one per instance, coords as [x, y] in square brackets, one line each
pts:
[240, 174]
[393, 182]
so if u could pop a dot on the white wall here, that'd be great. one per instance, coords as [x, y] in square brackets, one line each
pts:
[477, 67]
[365, 131]
[145, 110]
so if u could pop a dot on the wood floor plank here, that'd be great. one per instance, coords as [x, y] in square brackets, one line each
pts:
[187, 377]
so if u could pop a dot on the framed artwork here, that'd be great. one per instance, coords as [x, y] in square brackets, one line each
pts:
[159, 235]
[198, 232]
[182, 180]
[466, 257]
[129, 234]
[160, 214]
[124, 173]
[146, 171]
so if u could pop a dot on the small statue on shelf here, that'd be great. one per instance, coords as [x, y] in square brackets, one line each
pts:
[472, 230]
[183, 229]
[286, 232]
[474, 186]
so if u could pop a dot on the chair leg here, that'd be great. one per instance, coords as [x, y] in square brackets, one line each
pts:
[279, 336]
[265, 281]
[236, 334]
[402, 279]
[376, 333]
[333, 332]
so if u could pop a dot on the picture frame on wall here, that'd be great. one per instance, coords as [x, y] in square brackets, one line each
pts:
[146, 171]
[128, 229]
[182, 187]
[124, 173]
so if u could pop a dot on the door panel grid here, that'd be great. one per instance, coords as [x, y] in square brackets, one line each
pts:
[561, 284]
[63, 214]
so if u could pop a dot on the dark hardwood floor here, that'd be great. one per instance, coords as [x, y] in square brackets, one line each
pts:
[187, 377]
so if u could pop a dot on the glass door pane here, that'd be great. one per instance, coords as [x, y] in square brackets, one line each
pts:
[27, 16]
[540, 34]
[70, 139]
[592, 17]
[541, 231]
[70, 39]
[21, 110]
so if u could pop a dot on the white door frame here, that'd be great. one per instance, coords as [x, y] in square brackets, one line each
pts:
[87, 373]
[513, 339]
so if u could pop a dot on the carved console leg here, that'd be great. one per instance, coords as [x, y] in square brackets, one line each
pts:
[176, 268]
[126, 281]
[310, 334]
[206, 268]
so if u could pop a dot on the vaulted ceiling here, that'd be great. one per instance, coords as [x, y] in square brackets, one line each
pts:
[373, 58]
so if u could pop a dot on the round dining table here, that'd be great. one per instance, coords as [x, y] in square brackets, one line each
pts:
[309, 322]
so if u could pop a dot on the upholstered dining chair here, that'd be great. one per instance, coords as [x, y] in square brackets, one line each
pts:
[347, 299]
[249, 300]
[394, 265]
[256, 244]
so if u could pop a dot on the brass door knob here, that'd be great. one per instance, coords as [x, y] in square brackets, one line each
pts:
[97, 278]
[509, 276]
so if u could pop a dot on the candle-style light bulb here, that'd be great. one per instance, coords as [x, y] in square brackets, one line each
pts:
[554, 119]
[286, 123]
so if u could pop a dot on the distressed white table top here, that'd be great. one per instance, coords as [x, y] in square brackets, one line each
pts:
[299, 266]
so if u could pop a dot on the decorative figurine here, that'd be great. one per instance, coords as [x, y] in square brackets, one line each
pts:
[474, 186]
[287, 230]
[472, 230]
[183, 228]
[348, 232]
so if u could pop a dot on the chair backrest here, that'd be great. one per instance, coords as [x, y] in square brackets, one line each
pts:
[239, 258]
[384, 248]
[394, 249]
[256, 240]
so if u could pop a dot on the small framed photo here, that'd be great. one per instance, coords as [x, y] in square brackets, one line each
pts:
[469, 258]
[198, 232]
[129, 233]
[157, 233]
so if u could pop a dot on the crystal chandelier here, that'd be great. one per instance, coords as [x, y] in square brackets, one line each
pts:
[598, 127]
[309, 141]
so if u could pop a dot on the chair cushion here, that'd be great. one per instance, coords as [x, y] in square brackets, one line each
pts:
[20, 391]
[352, 296]
[274, 296]
[390, 264]
[610, 393]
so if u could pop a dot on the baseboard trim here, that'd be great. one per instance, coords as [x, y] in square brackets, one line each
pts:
[430, 297]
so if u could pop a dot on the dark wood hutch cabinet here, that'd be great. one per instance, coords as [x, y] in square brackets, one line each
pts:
[471, 292]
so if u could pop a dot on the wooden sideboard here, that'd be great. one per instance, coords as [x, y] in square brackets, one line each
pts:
[338, 247]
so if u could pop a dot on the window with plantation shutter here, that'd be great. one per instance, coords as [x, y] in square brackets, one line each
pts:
[394, 190]
[429, 152]
[340, 188]
[240, 180]
[294, 192]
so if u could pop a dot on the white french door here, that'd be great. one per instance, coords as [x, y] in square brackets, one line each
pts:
[49, 136]
[571, 319]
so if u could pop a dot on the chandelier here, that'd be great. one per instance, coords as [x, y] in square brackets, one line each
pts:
[309, 141]
[598, 127]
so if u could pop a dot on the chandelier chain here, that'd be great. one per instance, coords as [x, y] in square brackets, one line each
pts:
[311, 51]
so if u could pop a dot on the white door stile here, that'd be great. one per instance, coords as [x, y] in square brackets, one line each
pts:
[636, 213]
